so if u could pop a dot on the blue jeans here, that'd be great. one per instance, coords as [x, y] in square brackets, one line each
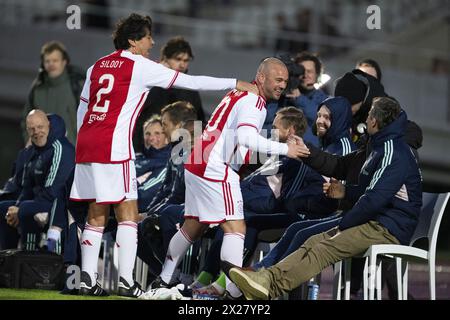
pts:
[295, 236]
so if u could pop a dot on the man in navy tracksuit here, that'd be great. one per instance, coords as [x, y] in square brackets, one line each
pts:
[389, 198]
[332, 126]
[151, 163]
[286, 185]
[266, 193]
[150, 172]
[337, 137]
[166, 209]
[270, 188]
[46, 173]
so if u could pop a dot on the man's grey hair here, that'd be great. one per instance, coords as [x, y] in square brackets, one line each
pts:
[385, 110]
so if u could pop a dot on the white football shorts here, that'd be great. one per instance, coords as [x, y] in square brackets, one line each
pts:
[104, 183]
[212, 202]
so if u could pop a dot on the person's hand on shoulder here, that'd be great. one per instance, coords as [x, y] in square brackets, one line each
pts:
[247, 86]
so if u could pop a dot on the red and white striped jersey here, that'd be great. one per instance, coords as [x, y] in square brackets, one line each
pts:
[115, 90]
[217, 149]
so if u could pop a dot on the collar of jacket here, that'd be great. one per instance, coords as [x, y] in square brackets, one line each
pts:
[63, 78]
[395, 130]
[152, 152]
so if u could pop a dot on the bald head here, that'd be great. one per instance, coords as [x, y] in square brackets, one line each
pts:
[269, 63]
[271, 78]
[38, 127]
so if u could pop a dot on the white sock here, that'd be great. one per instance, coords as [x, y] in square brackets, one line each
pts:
[232, 251]
[53, 234]
[91, 240]
[178, 246]
[126, 242]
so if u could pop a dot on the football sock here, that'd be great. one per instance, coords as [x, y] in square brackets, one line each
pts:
[177, 249]
[91, 240]
[232, 251]
[126, 242]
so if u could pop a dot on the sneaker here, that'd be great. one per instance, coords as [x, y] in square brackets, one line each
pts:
[226, 266]
[67, 291]
[88, 289]
[159, 283]
[163, 294]
[157, 294]
[254, 285]
[208, 290]
[203, 279]
[125, 290]
[185, 290]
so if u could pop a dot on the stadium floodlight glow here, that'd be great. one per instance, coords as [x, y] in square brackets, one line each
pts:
[324, 78]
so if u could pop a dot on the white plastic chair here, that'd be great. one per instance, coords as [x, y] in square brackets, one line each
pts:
[433, 208]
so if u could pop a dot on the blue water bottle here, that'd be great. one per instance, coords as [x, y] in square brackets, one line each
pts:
[313, 290]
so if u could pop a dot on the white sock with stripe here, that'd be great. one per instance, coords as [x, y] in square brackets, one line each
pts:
[91, 240]
[232, 251]
[126, 242]
[178, 246]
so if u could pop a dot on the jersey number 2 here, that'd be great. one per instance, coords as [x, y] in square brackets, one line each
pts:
[110, 82]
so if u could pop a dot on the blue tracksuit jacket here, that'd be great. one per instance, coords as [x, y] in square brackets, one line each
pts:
[390, 185]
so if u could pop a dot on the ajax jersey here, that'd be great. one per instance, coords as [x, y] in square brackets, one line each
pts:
[115, 90]
[217, 149]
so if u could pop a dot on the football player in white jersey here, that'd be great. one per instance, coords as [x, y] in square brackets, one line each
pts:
[213, 194]
[115, 89]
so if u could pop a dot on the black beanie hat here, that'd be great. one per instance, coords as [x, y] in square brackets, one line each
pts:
[348, 86]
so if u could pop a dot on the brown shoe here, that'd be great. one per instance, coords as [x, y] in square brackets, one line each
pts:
[254, 285]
